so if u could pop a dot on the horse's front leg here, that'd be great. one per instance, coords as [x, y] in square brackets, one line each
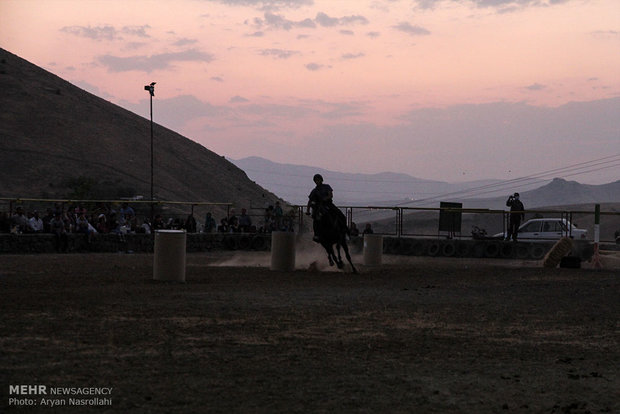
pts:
[339, 258]
[330, 253]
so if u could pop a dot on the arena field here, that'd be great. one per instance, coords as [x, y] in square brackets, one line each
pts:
[415, 335]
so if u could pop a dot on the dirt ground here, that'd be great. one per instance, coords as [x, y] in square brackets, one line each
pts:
[414, 335]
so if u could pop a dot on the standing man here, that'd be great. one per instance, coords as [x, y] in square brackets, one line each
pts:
[516, 215]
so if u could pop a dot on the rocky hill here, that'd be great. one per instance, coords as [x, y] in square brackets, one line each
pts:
[58, 140]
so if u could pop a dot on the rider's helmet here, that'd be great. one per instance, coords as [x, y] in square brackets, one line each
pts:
[317, 177]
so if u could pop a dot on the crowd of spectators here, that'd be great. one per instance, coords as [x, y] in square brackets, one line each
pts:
[103, 218]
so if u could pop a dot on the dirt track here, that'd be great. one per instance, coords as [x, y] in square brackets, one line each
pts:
[422, 335]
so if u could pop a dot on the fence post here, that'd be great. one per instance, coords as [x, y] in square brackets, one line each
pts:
[596, 258]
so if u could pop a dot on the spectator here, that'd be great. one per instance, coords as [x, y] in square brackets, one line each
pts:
[146, 227]
[269, 223]
[36, 223]
[190, 224]
[158, 223]
[58, 229]
[126, 210]
[516, 214]
[210, 224]
[102, 224]
[84, 227]
[49, 215]
[233, 224]
[223, 227]
[277, 216]
[5, 223]
[354, 231]
[368, 229]
[19, 221]
[245, 221]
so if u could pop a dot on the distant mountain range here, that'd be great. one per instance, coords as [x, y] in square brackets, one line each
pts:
[294, 182]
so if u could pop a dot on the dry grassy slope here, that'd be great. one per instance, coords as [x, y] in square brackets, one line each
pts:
[50, 131]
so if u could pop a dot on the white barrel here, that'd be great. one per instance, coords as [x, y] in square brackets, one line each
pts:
[373, 249]
[283, 251]
[169, 260]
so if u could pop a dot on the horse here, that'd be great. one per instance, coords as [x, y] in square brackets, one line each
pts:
[333, 230]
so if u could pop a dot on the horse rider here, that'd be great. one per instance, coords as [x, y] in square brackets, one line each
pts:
[321, 201]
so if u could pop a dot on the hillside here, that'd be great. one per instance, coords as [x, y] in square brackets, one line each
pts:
[54, 135]
[294, 182]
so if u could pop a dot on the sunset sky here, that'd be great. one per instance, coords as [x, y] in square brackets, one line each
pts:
[452, 90]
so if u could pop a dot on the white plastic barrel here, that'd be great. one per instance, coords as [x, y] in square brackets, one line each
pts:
[373, 249]
[283, 251]
[169, 260]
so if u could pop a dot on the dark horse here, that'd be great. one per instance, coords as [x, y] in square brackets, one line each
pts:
[332, 231]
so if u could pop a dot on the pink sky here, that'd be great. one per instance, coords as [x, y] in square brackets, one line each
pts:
[351, 85]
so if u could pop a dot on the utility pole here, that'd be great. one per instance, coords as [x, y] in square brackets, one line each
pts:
[151, 89]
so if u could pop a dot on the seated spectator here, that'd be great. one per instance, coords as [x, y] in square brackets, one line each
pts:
[245, 221]
[84, 227]
[58, 229]
[146, 227]
[354, 231]
[126, 210]
[233, 224]
[158, 223]
[49, 215]
[223, 227]
[36, 223]
[368, 229]
[210, 224]
[102, 224]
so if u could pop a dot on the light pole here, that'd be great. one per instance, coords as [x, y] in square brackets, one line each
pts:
[151, 89]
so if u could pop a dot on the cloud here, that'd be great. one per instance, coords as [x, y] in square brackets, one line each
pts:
[347, 32]
[278, 53]
[267, 4]
[106, 32]
[535, 87]
[406, 27]
[373, 35]
[326, 21]
[151, 63]
[216, 79]
[96, 33]
[502, 6]
[275, 21]
[139, 31]
[185, 41]
[314, 66]
[174, 113]
[605, 34]
[238, 99]
[353, 55]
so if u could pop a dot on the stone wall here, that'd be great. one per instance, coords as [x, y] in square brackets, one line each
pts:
[129, 243]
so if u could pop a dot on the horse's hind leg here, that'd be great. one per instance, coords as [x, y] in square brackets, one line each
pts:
[348, 256]
[330, 253]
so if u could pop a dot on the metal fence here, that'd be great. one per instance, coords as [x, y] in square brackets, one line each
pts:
[390, 221]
